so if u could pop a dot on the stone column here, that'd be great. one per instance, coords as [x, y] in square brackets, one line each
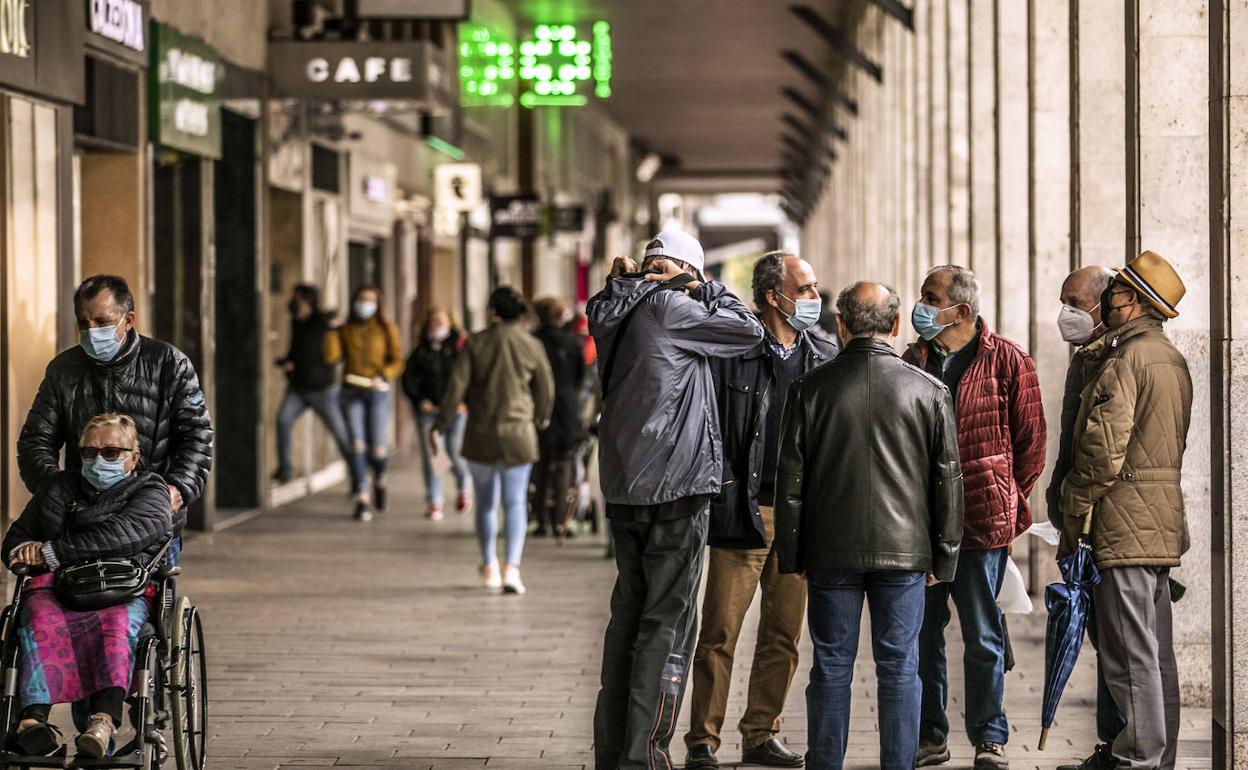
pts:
[1101, 165]
[982, 56]
[1013, 138]
[957, 62]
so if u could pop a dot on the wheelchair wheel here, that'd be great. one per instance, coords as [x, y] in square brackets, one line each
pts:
[188, 691]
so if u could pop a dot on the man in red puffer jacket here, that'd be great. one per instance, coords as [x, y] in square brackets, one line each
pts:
[1001, 440]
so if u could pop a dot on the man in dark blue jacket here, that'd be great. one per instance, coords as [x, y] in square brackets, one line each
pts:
[750, 391]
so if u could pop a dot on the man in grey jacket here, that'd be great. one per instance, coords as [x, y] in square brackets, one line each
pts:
[661, 461]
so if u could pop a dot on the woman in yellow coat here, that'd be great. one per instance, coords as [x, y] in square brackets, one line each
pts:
[369, 347]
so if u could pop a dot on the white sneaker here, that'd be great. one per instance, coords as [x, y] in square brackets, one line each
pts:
[511, 580]
[434, 513]
[490, 577]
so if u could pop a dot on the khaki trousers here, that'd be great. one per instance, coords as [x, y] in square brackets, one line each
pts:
[733, 575]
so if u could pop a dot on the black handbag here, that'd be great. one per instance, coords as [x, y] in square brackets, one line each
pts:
[103, 583]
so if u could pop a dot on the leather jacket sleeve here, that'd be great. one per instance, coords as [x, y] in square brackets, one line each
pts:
[190, 434]
[946, 485]
[789, 467]
[25, 529]
[39, 444]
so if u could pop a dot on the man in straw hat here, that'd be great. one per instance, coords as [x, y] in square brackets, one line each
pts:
[1128, 446]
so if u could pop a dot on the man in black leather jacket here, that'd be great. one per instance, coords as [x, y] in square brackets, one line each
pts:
[115, 369]
[868, 505]
[750, 392]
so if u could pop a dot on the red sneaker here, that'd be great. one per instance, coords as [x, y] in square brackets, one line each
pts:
[463, 503]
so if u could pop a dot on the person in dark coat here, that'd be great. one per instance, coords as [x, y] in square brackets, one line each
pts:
[425, 378]
[554, 475]
[116, 369]
[311, 381]
[750, 391]
[109, 510]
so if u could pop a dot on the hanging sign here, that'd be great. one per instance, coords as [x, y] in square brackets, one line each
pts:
[458, 186]
[515, 216]
[186, 103]
[439, 10]
[567, 219]
[350, 70]
[120, 27]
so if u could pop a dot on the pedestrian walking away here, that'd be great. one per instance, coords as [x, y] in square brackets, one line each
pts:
[869, 507]
[554, 475]
[426, 375]
[114, 369]
[368, 347]
[750, 392]
[310, 381]
[504, 378]
[1001, 443]
[1126, 475]
[660, 462]
[1080, 323]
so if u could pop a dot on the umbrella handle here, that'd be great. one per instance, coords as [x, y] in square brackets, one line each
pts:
[1044, 738]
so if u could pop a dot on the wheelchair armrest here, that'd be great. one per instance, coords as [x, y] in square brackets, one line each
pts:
[20, 568]
[166, 571]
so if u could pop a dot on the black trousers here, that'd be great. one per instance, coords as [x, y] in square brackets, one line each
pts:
[649, 641]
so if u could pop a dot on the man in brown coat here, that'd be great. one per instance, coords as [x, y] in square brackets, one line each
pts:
[1124, 493]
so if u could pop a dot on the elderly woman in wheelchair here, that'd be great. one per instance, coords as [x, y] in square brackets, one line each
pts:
[77, 643]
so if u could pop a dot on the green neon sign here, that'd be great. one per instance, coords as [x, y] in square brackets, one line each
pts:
[487, 67]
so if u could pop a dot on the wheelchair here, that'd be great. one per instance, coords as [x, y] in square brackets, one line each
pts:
[169, 687]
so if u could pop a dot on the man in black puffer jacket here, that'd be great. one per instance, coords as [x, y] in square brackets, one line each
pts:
[115, 369]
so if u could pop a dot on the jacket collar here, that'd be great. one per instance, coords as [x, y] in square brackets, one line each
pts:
[805, 344]
[129, 351]
[868, 346]
[1133, 328]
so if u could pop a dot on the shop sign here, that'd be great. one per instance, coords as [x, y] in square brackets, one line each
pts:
[351, 70]
[14, 38]
[376, 189]
[567, 219]
[186, 105]
[439, 10]
[458, 186]
[119, 26]
[515, 216]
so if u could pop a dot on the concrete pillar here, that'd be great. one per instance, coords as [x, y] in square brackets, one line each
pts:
[1013, 137]
[1101, 132]
[1050, 194]
[937, 130]
[1173, 216]
[958, 80]
[982, 56]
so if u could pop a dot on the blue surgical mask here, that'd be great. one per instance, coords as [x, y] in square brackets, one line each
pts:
[103, 474]
[100, 343]
[365, 309]
[923, 318]
[806, 313]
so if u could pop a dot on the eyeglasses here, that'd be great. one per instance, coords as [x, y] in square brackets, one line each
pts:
[109, 453]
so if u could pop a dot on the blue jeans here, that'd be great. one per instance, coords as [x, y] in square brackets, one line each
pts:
[368, 416]
[324, 403]
[513, 482]
[454, 441]
[834, 613]
[974, 592]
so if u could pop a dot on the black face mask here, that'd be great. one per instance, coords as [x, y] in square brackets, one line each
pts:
[1107, 303]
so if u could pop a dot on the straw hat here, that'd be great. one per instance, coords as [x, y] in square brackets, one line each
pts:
[1156, 281]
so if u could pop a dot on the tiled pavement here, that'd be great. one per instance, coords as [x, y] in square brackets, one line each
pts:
[340, 644]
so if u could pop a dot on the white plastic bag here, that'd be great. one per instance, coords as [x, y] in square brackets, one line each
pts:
[1045, 531]
[1013, 595]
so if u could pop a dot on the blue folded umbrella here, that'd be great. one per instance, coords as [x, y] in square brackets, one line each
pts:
[1069, 604]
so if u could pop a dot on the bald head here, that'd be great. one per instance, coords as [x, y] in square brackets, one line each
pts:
[868, 309]
[1082, 288]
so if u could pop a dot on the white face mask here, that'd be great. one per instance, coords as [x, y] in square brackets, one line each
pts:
[1077, 327]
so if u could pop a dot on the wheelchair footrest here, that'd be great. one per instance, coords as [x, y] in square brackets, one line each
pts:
[11, 759]
[133, 759]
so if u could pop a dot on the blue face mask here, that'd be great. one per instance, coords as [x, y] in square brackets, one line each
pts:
[103, 474]
[365, 309]
[806, 313]
[100, 343]
[923, 319]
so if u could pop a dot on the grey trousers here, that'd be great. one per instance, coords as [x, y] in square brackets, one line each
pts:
[1136, 649]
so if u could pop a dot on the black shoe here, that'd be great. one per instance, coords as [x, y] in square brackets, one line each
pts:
[283, 477]
[380, 497]
[701, 757]
[990, 755]
[772, 754]
[1102, 759]
[540, 532]
[362, 512]
[39, 740]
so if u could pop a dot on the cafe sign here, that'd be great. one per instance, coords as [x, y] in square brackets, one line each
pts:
[350, 70]
[14, 39]
[120, 27]
[186, 102]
